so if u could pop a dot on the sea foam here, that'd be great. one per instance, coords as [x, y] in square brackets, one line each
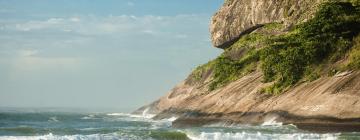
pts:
[271, 121]
[50, 136]
[260, 136]
[145, 114]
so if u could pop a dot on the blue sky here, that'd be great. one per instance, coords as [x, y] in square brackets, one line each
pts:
[99, 53]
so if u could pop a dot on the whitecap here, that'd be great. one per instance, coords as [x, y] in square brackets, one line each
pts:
[146, 113]
[50, 136]
[88, 117]
[271, 121]
[259, 136]
[163, 123]
[53, 119]
[171, 119]
[118, 114]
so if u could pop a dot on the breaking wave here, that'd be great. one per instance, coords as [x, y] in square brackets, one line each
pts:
[50, 136]
[271, 121]
[123, 126]
[145, 114]
[260, 136]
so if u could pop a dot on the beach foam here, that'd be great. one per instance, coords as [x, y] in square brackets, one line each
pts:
[260, 136]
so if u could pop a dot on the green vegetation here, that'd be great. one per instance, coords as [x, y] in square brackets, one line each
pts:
[354, 62]
[168, 135]
[273, 26]
[227, 70]
[248, 41]
[299, 54]
[198, 73]
[326, 37]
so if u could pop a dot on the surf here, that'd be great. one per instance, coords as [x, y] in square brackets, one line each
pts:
[82, 126]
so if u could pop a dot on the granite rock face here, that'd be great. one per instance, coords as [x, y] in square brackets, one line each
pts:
[238, 17]
[329, 102]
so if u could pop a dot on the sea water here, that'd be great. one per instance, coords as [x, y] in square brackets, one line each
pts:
[15, 125]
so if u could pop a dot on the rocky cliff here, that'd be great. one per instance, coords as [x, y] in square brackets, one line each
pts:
[323, 92]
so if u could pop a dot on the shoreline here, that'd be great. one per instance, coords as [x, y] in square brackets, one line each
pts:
[318, 124]
[329, 104]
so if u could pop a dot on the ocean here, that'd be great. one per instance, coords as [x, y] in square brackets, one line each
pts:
[39, 125]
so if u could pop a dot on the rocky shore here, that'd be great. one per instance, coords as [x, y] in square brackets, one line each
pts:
[329, 103]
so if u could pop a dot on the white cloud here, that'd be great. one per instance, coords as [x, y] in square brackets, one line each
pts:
[75, 19]
[55, 20]
[29, 60]
[63, 39]
[92, 25]
[39, 25]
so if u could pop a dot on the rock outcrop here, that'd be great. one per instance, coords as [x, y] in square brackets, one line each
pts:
[238, 17]
[330, 102]
[324, 102]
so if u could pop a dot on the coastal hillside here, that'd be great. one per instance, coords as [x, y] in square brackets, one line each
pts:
[289, 61]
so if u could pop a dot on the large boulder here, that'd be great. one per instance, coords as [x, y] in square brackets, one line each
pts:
[238, 17]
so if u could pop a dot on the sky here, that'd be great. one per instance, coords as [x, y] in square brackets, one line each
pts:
[97, 54]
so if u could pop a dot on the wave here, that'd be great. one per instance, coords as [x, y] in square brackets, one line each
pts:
[151, 135]
[171, 119]
[21, 129]
[118, 114]
[178, 135]
[164, 123]
[38, 117]
[259, 136]
[50, 136]
[134, 127]
[149, 116]
[89, 117]
[271, 121]
[53, 119]
[28, 131]
[145, 114]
